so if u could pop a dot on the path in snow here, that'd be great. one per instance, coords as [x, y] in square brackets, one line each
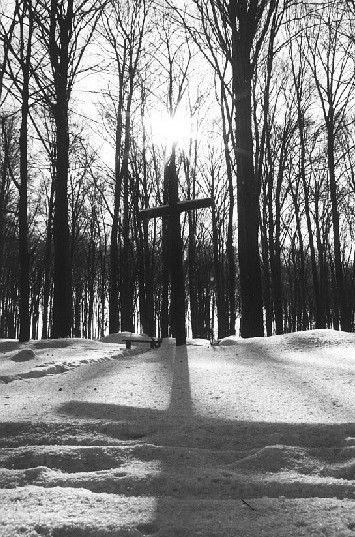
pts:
[253, 439]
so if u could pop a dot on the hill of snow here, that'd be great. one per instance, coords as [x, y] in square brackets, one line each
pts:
[251, 437]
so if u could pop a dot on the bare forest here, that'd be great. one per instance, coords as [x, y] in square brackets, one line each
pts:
[105, 104]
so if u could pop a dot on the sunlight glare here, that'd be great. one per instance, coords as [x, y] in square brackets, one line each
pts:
[168, 130]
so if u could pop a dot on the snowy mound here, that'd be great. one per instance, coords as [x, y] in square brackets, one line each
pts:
[119, 336]
[185, 441]
[309, 338]
[23, 356]
[198, 342]
[316, 338]
[37, 359]
[230, 340]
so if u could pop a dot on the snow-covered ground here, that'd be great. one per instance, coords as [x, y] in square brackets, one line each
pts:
[249, 438]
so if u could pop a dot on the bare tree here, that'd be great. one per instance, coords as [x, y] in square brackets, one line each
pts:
[330, 63]
[26, 36]
[240, 29]
[6, 36]
[177, 57]
[65, 30]
[18, 70]
[9, 167]
[123, 28]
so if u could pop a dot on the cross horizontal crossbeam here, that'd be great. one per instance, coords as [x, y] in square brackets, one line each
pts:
[175, 208]
[173, 211]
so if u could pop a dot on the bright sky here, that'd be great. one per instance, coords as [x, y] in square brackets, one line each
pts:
[167, 130]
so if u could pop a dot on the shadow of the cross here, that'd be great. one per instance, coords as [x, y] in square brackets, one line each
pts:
[194, 490]
[180, 406]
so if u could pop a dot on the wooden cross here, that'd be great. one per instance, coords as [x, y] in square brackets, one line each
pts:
[173, 211]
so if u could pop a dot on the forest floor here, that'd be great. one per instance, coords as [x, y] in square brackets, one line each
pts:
[246, 439]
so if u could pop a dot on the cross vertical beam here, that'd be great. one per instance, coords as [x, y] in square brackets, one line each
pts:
[175, 258]
[173, 211]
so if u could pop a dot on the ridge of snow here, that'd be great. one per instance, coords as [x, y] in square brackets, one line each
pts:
[254, 438]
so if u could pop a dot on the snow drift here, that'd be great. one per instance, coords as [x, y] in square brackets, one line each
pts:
[251, 438]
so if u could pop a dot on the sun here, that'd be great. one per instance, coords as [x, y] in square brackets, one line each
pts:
[168, 130]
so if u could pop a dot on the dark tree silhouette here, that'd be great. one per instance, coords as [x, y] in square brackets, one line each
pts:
[65, 30]
[249, 23]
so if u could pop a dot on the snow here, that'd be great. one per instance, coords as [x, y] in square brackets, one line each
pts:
[246, 438]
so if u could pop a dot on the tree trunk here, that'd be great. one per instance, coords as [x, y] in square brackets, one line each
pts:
[335, 308]
[147, 252]
[247, 193]
[218, 268]
[320, 318]
[47, 261]
[114, 319]
[91, 278]
[149, 269]
[5, 158]
[62, 279]
[266, 269]
[103, 288]
[127, 258]
[78, 299]
[195, 315]
[344, 311]
[24, 262]
[145, 270]
[231, 280]
[164, 311]
[175, 257]
[24, 310]
[62, 293]
[248, 228]
[275, 253]
[320, 284]
[190, 176]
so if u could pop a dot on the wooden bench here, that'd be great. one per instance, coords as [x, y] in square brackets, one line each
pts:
[154, 341]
